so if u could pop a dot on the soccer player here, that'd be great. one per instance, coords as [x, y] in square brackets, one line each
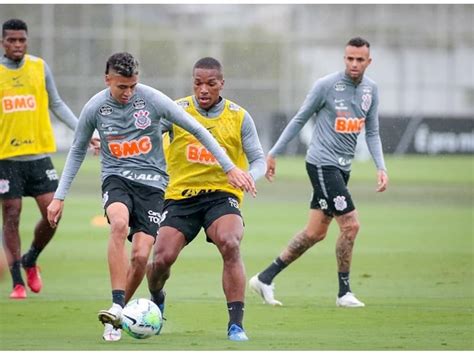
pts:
[199, 195]
[127, 117]
[344, 102]
[27, 91]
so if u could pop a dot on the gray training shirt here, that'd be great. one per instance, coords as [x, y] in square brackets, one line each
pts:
[131, 137]
[342, 109]
[250, 141]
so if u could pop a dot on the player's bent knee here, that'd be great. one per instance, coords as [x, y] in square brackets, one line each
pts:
[138, 261]
[315, 237]
[350, 230]
[163, 261]
[230, 248]
[12, 215]
[231, 241]
[354, 228]
[119, 226]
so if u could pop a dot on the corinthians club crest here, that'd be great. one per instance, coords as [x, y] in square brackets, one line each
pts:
[366, 102]
[142, 120]
[4, 186]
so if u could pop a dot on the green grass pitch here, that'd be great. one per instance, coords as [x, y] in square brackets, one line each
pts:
[413, 266]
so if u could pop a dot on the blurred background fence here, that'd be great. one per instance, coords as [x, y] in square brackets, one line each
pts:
[422, 59]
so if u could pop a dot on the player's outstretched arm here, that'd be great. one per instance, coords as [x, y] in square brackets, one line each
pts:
[55, 210]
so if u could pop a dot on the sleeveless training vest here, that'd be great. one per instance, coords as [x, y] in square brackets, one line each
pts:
[25, 127]
[192, 168]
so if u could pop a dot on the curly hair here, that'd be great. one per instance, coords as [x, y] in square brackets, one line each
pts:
[14, 25]
[122, 63]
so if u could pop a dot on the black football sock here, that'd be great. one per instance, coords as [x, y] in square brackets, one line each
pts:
[158, 297]
[15, 271]
[29, 259]
[118, 296]
[267, 275]
[236, 313]
[344, 286]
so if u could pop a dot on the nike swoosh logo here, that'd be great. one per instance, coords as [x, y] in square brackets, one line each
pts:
[133, 320]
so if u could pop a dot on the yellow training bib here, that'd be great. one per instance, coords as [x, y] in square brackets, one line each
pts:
[192, 168]
[25, 127]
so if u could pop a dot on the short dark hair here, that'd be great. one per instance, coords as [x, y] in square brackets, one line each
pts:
[122, 63]
[15, 25]
[358, 42]
[208, 63]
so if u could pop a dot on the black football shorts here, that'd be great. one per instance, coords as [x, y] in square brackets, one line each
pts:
[190, 214]
[27, 178]
[330, 193]
[144, 203]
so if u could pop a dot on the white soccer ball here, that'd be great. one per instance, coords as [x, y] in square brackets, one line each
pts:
[141, 318]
